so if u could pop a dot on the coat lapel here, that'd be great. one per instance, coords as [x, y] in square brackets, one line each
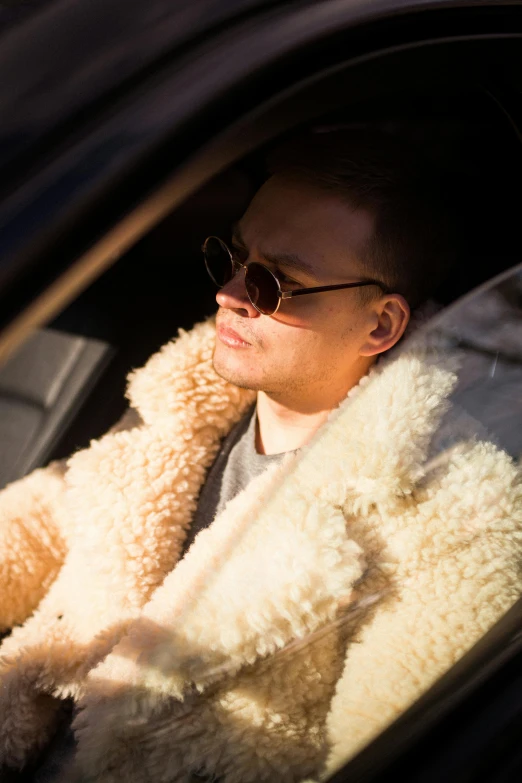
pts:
[136, 490]
[279, 560]
[272, 568]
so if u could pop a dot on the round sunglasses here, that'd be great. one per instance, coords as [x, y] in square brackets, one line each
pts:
[262, 286]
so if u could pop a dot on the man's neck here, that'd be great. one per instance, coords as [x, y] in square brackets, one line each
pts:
[286, 425]
[280, 428]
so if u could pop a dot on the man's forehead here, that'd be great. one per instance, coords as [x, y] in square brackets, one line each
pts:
[275, 256]
[316, 226]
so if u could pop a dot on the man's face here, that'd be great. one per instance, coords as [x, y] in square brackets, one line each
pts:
[308, 238]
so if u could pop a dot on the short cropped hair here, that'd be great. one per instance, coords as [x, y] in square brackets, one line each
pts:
[416, 238]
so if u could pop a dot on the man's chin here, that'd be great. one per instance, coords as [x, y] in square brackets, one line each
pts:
[236, 375]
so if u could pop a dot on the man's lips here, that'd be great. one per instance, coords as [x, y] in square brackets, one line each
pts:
[231, 338]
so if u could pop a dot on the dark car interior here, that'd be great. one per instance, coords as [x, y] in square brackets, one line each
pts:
[459, 100]
[160, 285]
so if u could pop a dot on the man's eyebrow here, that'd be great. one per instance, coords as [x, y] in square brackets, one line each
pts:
[286, 259]
[290, 259]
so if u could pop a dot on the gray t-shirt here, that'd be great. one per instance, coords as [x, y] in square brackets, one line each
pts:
[235, 466]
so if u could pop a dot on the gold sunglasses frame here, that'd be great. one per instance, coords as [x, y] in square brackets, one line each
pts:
[282, 295]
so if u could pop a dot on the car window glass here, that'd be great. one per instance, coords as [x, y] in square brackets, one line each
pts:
[486, 329]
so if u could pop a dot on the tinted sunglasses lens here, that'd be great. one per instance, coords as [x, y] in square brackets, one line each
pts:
[217, 261]
[262, 288]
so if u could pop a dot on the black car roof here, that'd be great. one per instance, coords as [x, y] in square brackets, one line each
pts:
[70, 69]
[59, 57]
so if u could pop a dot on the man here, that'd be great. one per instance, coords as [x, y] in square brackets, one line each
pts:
[290, 542]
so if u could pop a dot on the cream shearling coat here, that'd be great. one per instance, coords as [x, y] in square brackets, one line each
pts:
[245, 661]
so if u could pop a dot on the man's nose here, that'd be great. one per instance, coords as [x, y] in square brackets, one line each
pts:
[233, 296]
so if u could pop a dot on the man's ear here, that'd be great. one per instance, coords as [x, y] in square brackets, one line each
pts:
[390, 318]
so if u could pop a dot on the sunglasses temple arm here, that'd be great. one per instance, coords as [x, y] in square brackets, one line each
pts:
[323, 288]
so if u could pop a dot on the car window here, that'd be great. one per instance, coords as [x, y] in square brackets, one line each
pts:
[487, 329]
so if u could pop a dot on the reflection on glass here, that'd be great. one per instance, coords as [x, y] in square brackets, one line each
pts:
[487, 330]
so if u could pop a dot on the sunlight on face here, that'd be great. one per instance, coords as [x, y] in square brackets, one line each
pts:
[313, 341]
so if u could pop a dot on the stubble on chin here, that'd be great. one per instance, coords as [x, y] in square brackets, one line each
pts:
[231, 376]
[240, 380]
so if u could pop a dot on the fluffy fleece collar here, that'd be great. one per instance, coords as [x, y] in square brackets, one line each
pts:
[284, 539]
[380, 433]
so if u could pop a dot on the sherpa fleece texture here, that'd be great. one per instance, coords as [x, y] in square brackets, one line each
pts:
[245, 660]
